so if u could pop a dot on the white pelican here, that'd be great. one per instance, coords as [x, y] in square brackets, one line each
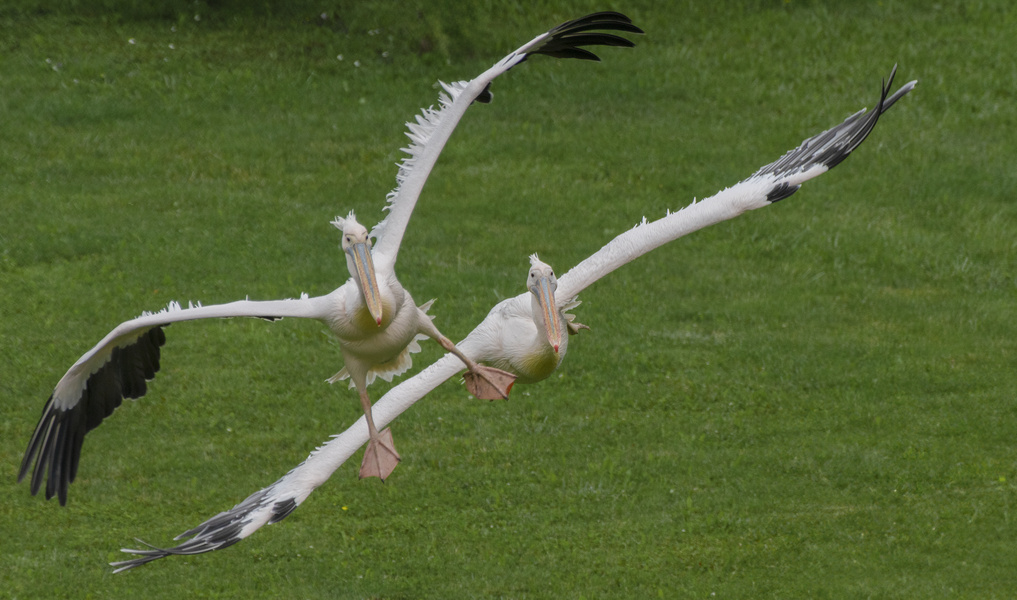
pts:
[375, 319]
[520, 333]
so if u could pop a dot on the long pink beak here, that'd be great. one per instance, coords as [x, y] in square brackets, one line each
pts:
[361, 254]
[549, 310]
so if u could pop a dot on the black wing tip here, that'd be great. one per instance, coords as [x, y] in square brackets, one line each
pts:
[189, 548]
[54, 451]
[781, 191]
[564, 41]
[146, 556]
[221, 531]
[886, 100]
[282, 509]
[831, 147]
[578, 53]
[485, 96]
[606, 19]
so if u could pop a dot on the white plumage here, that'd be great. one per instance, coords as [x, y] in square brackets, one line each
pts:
[516, 334]
[374, 318]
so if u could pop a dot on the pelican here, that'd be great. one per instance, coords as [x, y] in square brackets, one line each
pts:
[377, 324]
[373, 316]
[527, 334]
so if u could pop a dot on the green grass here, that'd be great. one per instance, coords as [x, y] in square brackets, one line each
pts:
[813, 400]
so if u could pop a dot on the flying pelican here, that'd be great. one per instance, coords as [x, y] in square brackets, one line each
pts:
[375, 319]
[525, 334]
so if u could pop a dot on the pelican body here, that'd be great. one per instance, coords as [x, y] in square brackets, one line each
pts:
[377, 324]
[529, 338]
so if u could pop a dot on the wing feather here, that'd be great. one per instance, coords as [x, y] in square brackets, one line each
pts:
[769, 184]
[275, 502]
[119, 367]
[433, 127]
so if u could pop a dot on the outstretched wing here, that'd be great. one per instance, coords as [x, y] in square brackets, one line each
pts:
[278, 500]
[433, 127]
[118, 367]
[772, 183]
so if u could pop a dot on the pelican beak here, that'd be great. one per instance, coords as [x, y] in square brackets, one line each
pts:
[361, 254]
[549, 309]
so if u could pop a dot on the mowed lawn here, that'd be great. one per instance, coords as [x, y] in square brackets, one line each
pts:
[814, 400]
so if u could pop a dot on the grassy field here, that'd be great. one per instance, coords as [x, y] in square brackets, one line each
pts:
[813, 400]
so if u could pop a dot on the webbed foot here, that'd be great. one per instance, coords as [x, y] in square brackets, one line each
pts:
[488, 383]
[380, 458]
[572, 326]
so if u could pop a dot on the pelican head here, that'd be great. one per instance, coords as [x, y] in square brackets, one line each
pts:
[542, 284]
[356, 243]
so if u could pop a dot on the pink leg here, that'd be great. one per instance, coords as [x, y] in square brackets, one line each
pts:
[486, 383]
[380, 458]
